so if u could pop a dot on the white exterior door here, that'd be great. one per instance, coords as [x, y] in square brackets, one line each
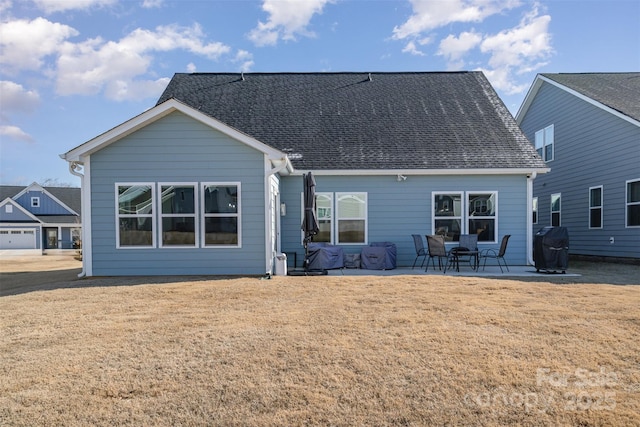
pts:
[17, 239]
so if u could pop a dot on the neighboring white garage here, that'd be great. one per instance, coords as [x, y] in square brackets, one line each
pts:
[16, 238]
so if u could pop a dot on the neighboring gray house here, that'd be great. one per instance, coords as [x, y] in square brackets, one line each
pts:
[587, 128]
[39, 219]
[209, 181]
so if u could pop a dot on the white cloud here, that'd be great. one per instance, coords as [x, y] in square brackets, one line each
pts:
[518, 50]
[191, 67]
[287, 18]
[429, 14]
[122, 90]
[25, 44]
[14, 132]
[518, 46]
[14, 97]
[150, 4]
[412, 49]
[87, 68]
[245, 59]
[50, 6]
[454, 48]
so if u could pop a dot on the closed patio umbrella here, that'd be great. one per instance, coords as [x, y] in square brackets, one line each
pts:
[310, 220]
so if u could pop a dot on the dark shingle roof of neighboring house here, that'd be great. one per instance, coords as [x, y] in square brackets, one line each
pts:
[341, 121]
[619, 91]
[70, 196]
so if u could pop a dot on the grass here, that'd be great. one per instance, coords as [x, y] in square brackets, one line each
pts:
[344, 351]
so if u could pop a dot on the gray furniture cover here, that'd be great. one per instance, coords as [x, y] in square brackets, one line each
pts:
[323, 256]
[373, 257]
[391, 253]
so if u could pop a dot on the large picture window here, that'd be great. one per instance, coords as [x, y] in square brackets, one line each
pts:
[178, 214]
[555, 209]
[221, 214]
[633, 203]
[351, 217]
[544, 143]
[134, 216]
[595, 207]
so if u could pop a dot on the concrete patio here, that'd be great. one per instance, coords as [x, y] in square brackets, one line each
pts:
[489, 271]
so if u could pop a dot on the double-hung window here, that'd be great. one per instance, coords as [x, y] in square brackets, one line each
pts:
[447, 215]
[633, 203]
[482, 215]
[178, 207]
[134, 215]
[35, 202]
[595, 207]
[221, 214]
[351, 218]
[324, 212]
[555, 209]
[544, 143]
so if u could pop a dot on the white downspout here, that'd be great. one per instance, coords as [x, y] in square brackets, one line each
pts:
[72, 169]
[530, 217]
[286, 164]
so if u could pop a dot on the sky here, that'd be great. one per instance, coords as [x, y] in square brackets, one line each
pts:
[71, 70]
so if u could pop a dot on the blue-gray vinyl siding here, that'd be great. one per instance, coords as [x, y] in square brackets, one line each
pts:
[174, 149]
[17, 215]
[592, 148]
[47, 206]
[396, 210]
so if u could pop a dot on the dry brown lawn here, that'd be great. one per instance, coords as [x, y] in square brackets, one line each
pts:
[344, 351]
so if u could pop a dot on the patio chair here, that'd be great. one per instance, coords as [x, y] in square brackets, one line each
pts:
[437, 249]
[467, 250]
[491, 253]
[421, 251]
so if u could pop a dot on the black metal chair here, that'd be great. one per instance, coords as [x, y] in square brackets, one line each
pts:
[421, 251]
[491, 253]
[437, 249]
[467, 250]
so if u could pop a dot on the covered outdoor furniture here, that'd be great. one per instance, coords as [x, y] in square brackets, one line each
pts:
[499, 255]
[323, 256]
[379, 256]
[551, 249]
[437, 249]
[467, 250]
[421, 251]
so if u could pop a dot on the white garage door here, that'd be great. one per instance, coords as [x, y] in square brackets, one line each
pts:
[17, 239]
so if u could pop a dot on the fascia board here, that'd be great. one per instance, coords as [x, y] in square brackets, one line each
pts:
[426, 172]
[531, 94]
[79, 153]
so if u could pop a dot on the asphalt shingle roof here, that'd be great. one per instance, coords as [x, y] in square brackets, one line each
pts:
[442, 120]
[619, 91]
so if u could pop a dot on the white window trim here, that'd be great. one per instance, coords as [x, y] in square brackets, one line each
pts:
[551, 211]
[35, 202]
[337, 218]
[627, 204]
[601, 207]
[203, 216]
[153, 215]
[534, 206]
[194, 215]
